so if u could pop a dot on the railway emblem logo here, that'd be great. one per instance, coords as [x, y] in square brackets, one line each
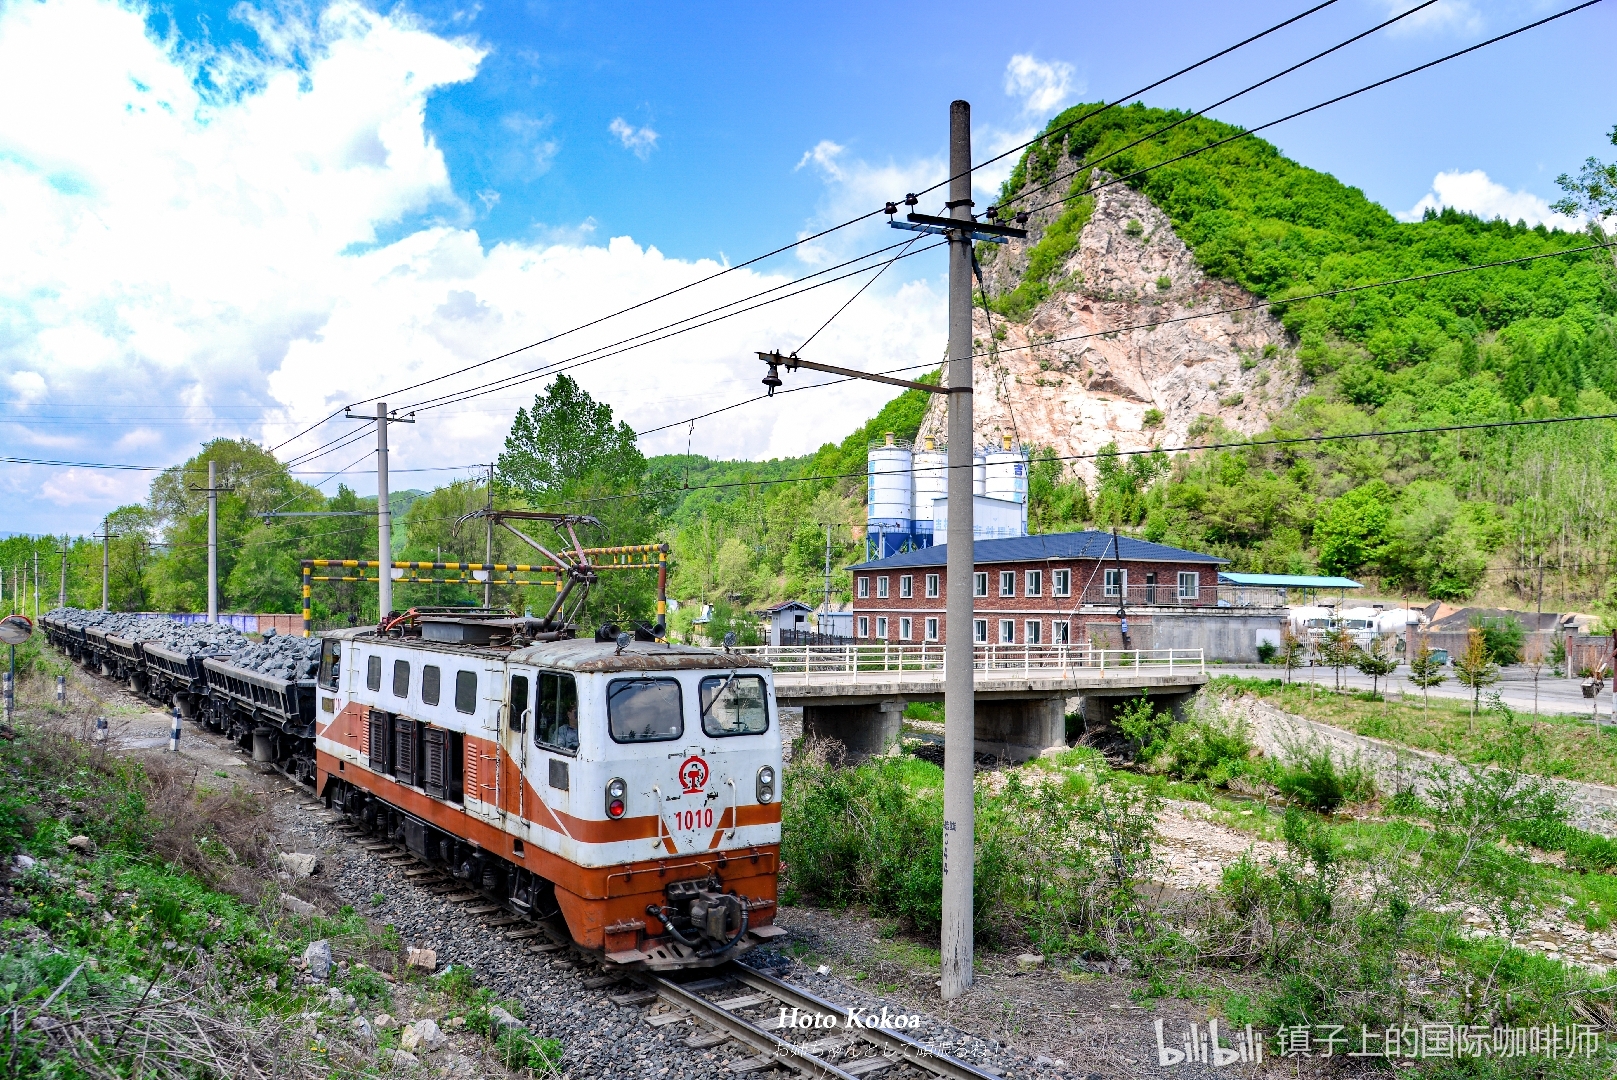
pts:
[693, 775]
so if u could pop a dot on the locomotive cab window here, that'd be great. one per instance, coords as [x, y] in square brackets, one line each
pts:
[517, 717]
[373, 673]
[401, 678]
[734, 705]
[431, 681]
[556, 716]
[645, 710]
[466, 692]
[330, 663]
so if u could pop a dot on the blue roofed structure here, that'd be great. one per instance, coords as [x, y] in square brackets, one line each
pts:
[1289, 581]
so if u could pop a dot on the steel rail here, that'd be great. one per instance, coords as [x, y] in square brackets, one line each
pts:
[756, 1037]
[911, 1050]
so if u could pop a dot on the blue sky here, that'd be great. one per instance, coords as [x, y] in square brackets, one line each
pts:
[380, 195]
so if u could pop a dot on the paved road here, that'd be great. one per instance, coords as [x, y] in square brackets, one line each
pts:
[1555, 694]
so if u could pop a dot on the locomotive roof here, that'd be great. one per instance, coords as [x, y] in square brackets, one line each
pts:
[578, 654]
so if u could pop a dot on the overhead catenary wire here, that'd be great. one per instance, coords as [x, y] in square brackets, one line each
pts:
[996, 350]
[1187, 118]
[1312, 108]
[529, 376]
[1243, 444]
[817, 235]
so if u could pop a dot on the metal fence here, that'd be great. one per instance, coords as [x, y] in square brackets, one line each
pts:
[812, 637]
[850, 659]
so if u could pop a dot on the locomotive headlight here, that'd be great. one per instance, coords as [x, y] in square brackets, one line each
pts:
[616, 792]
[766, 784]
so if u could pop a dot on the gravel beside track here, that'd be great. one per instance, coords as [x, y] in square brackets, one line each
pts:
[601, 1038]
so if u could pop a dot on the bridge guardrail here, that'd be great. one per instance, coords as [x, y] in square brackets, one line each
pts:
[811, 660]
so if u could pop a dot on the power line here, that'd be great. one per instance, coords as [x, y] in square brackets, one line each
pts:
[523, 377]
[1312, 108]
[820, 234]
[1269, 303]
[1245, 444]
[1225, 101]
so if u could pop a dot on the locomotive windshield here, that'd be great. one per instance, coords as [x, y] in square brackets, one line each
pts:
[644, 710]
[734, 705]
[330, 663]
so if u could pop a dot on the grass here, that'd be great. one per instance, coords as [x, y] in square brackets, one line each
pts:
[163, 951]
[1359, 918]
[1564, 747]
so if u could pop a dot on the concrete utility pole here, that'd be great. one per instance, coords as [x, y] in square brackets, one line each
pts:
[61, 596]
[959, 691]
[384, 518]
[36, 584]
[213, 543]
[106, 536]
[488, 544]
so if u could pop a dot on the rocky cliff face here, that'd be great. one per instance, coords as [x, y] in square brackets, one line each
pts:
[1074, 377]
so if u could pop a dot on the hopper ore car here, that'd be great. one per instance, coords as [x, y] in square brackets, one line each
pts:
[630, 785]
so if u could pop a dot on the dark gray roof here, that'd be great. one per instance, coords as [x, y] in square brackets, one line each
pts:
[1074, 545]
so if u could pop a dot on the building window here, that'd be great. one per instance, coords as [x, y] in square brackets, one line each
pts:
[1007, 583]
[1035, 632]
[881, 588]
[1060, 633]
[979, 631]
[1116, 582]
[932, 629]
[1190, 584]
[1035, 583]
[1007, 631]
[1151, 587]
[881, 628]
[864, 588]
[864, 626]
[906, 586]
[904, 628]
[1061, 582]
[932, 586]
[979, 584]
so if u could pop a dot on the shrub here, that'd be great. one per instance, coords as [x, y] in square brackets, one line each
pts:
[1312, 779]
[1208, 747]
[1267, 651]
[1145, 727]
[1153, 418]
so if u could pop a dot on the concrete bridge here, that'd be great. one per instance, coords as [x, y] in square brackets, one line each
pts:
[857, 694]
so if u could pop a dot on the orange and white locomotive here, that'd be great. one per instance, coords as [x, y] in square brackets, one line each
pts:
[632, 786]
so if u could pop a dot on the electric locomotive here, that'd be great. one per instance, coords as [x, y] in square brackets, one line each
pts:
[632, 786]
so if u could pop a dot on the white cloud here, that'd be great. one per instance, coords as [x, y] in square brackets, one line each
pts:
[1458, 16]
[169, 247]
[1043, 85]
[1474, 193]
[854, 187]
[638, 141]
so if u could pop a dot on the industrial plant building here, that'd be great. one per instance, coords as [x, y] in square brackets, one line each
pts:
[907, 505]
[1074, 590]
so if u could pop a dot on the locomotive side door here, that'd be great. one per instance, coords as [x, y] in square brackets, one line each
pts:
[516, 722]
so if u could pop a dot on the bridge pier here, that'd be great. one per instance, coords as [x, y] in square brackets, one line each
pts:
[1021, 728]
[865, 728]
[1101, 706]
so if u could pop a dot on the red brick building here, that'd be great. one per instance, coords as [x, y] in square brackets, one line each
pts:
[1060, 589]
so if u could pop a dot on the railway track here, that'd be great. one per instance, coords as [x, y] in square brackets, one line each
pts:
[785, 1026]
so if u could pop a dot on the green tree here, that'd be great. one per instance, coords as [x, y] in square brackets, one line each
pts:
[566, 454]
[1336, 650]
[1291, 652]
[1376, 661]
[1502, 635]
[1475, 668]
[1426, 671]
[1122, 483]
[1057, 501]
[1354, 530]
